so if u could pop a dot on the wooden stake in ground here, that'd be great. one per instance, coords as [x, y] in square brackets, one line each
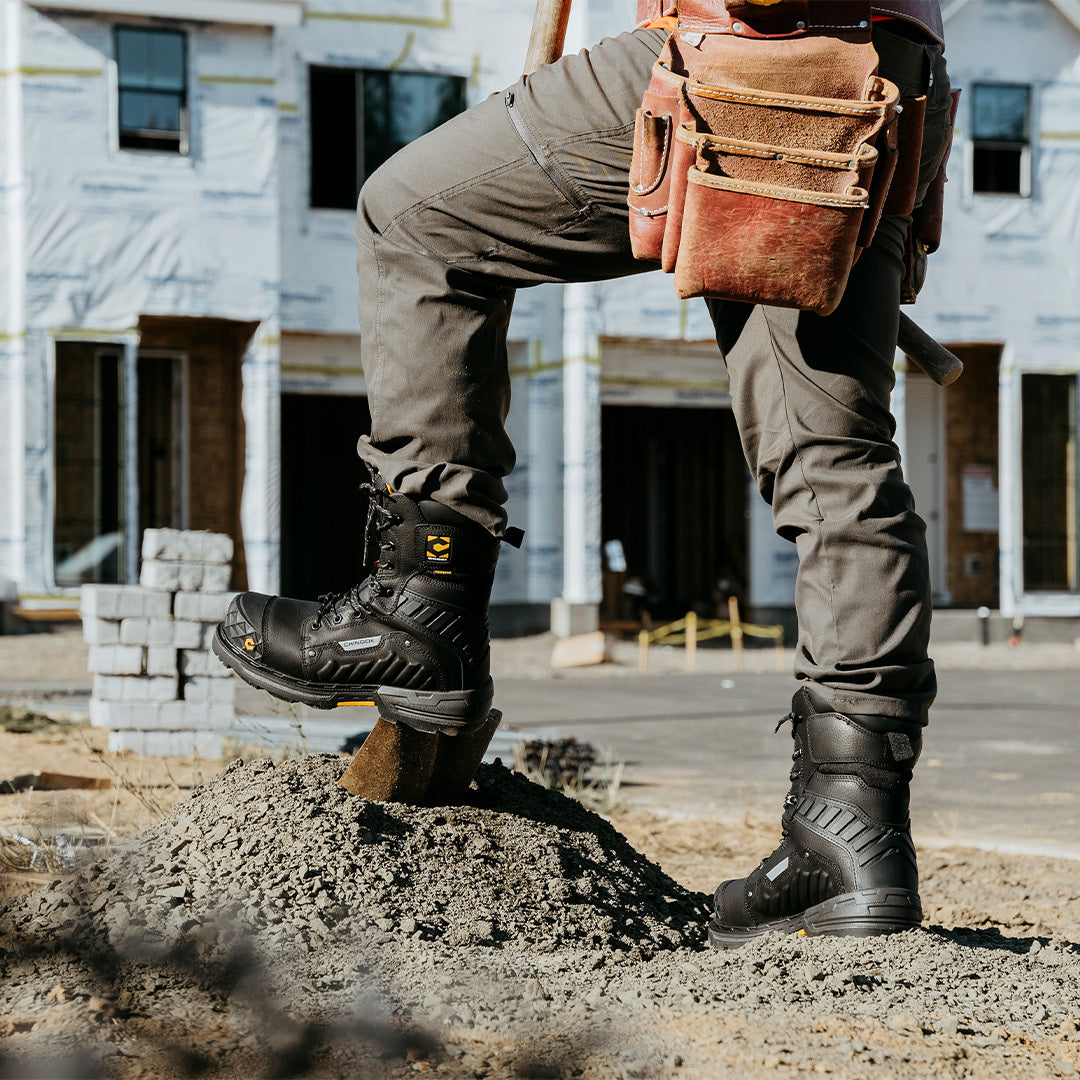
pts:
[736, 632]
[397, 764]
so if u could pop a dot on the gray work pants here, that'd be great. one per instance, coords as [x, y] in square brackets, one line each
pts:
[453, 224]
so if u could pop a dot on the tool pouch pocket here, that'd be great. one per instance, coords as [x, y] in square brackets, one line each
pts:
[651, 165]
[757, 192]
[775, 225]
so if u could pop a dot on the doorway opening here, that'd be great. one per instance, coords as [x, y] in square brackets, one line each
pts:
[674, 495]
[93, 463]
[1050, 476]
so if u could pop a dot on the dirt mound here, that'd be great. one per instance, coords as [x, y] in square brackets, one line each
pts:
[284, 850]
[273, 925]
[272, 873]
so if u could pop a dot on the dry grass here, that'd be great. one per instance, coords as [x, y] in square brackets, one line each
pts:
[568, 767]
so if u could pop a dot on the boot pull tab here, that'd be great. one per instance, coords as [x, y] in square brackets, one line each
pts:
[901, 746]
[513, 536]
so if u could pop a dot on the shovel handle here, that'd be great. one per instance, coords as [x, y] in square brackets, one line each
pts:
[548, 33]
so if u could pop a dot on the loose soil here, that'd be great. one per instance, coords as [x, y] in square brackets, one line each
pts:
[270, 925]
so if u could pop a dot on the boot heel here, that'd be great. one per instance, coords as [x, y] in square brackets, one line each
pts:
[447, 712]
[865, 912]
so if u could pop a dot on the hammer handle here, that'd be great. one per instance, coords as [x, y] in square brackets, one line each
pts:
[941, 365]
[548, 33]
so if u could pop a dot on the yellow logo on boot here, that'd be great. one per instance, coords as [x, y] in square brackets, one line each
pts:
[438, 549]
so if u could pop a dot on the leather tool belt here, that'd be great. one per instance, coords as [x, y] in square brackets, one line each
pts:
[767, 149]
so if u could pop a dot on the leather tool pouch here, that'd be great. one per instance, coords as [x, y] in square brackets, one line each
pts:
[763, 155]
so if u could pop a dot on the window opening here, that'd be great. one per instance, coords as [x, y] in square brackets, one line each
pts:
[151, 68]
[1001, 139]
[359, 118]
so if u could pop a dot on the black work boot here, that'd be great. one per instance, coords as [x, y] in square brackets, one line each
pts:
[846, 863]
[412, 638]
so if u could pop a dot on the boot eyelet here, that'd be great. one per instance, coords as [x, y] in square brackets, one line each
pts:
[316, 625]
[337, 619]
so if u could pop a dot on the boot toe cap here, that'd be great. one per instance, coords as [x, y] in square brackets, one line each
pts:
[242, 627]
[268, 630]
[730, 903]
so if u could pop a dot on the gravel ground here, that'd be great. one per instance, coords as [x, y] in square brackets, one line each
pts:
[271, 925]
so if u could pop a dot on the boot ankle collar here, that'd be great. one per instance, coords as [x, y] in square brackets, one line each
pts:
[835, 739]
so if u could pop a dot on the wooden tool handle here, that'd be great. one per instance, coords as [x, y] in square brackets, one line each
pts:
[941, 365]
[548, 33]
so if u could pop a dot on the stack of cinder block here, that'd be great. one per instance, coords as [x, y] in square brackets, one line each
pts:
[157, 686]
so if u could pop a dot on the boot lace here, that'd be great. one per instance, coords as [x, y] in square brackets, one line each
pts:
[336, 606]
[791, 799]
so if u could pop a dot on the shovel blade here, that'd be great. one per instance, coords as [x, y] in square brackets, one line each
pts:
[398, 764]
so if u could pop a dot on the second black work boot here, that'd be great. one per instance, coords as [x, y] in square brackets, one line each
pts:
[846, 864]
[412, 638]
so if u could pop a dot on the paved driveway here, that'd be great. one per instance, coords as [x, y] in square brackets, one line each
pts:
[1000, 764]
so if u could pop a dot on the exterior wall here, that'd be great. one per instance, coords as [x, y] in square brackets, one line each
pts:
[113, 234]
[99, 239]
[109, 235]
[318, 288]
[1007, 272]
[12, 297]
[1006, 268]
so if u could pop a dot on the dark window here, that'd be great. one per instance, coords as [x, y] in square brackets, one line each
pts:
[151, 70]
[1001, 139]
[360, 118]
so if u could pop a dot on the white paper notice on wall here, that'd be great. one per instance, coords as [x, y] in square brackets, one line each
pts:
[980, 499]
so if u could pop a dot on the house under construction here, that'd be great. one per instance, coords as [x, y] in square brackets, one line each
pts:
[177, 317]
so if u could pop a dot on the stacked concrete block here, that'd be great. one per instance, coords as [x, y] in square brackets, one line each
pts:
[157, 687]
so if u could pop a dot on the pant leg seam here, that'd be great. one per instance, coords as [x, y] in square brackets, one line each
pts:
[372, 386]
[802, 470]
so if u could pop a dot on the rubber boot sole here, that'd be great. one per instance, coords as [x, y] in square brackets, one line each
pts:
[443, 712]
[864, 913]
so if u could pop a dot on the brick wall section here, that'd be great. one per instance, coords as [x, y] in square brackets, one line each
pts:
[157, 686]
[971, 438]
